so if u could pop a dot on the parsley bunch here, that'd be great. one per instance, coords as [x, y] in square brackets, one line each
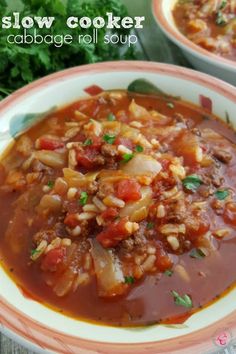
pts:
[21, 64]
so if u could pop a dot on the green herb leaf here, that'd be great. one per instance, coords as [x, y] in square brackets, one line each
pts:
[223, 4]
[109, 139]
[221, 194]
[150, 225]
[20, 123]
[228, 120]
[111, 117]
[170, 105]
[184, 300]
[221, 19]
[88, 142]
[127, 157]
[50, 184]
[34, 252]
[83, 198]
[146, 87]
[139, 148]
[20, 64]
[192, 182]
[197, 253]
[129, 280]
[168, 272]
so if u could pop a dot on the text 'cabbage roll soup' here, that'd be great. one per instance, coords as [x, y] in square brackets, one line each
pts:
[120, 209]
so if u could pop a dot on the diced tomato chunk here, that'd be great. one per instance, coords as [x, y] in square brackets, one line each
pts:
[84, 161]
[128, 189]
[165, 164]
[113, 234]
[87, 157]
[49, 144]
[53, 258]
[96, 143]
[163, 261]
[205, 102]
[93, 90]
[196, 226]
[152, 211]
[109, 214]
[230, 213]
[125, 141]
[80, 137]
[71, 220]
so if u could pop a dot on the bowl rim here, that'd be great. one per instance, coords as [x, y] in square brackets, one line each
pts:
[17, 324]
[182, 41]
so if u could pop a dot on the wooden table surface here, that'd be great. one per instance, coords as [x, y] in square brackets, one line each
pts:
[152, 46]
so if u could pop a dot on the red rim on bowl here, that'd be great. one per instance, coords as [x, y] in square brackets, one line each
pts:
[18, 325]
[176, 36]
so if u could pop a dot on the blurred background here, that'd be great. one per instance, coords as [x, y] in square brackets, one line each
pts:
[21, 64]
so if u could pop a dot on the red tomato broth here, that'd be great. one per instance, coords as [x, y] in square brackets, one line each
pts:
[149, 299]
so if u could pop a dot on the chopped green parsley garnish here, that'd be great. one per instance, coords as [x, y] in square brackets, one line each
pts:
[127, 157]
[223, 4]
[88, 142]
[83, 198]
[129, 280]
[184, 300]
[33, 252]
[221, 194]
[168, 272]
[111, 117]
[109, 139]
[221, 19]
[50, 184]
[197, 253]
[150, 225]
[139, 148]
[192, 182]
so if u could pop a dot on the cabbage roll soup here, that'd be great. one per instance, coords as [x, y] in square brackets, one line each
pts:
[210, 24]
[120, 209]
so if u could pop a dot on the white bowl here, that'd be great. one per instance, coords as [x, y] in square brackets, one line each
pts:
[200, 58]
[40, 328]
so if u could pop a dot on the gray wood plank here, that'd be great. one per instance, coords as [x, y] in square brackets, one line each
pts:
[7, 346]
